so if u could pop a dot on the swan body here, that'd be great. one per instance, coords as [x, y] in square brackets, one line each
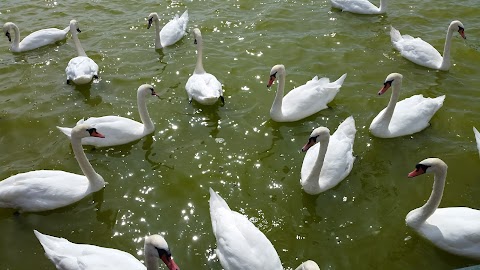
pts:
[172, 32]
[304, 100]
[453, 229]
[203, 87]
[120, 130]
[35, 40]
[421, 52]
[308, 265]
[360, 6]
[328, 162]
[44, 190]
[66, 255]
[80, 69]
[477, 138]
[406, 117]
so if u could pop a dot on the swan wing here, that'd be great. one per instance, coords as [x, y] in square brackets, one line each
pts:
[416, 50]
[174, 30]
[356, 6]
[240, 245]
[204, 88]
[116, 129]
[66, 255]
[454, 229]
[81, 70]
[41, 38]
[477, 138]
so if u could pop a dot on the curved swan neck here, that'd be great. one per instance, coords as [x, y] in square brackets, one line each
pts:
[312, 181]
[387, 115]
[446, 49]
[151, 262]
[96, 181]
[383, 5]
[199, 66]
[143, 111]
[158, 44]
[277, 102]
[78, 45]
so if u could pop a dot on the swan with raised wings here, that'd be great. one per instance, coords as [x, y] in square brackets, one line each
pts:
[421, 52]
[81, 69]
[241, 245]
[203, 87]
[453, 229]
[360, 6]
[406, 117]
[172, 32]
[304, 100]
[44, 190]
[329, 159]
[120, 130]
[71, 256]
[36, 39]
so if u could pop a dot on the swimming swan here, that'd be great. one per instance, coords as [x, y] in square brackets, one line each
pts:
[44, 190]
[360, 6]
[120, 130]
[172, 32]
[70, 256]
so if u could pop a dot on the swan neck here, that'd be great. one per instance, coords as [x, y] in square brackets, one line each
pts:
[277, 102]
[151, 262]
[144, 115]
[96, 181]
[78, 45]
[158, 43]
[387, 115]
[433, 202]
[16, 39]
[314, 176]
[199, 66]
[446, 50]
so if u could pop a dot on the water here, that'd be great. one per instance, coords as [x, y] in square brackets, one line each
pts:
[159, 184]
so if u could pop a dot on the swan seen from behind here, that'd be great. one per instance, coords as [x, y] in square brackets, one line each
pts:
[203, 87]
[421, 52]
[36, 39]
[80, 69]
[43, 190]
[406, 117]
[360, 6]
[172, 32]
[301, 101]
[120, 130]
[329, 159]
[66, 255]
[453, 229]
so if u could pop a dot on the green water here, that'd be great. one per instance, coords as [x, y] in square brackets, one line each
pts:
[160, 183]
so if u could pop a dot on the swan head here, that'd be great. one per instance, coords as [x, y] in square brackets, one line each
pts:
[392, 79]
[6, 29]
[74, 26]
[308, 265]
[197, 35]
[277, 70]
[319, 134]
[429, 165]
[157, 247]
[458, 26]
[147, 89]
[84, 130]
[151, 17]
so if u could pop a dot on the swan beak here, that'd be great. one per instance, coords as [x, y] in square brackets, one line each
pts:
[8, 36]
[155, 94]
[272, 79]
[150, 21]
[462, 33]
[311, 142]
[170, 263]
[97, 134]
[384, 89]
[416, 172]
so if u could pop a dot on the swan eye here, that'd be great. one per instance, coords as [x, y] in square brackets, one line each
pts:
[91, 130]
[422, 168]
[195, 41]
[389, 83]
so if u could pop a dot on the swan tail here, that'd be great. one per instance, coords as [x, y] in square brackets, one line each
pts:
[67, 29]
[439, 101]
[216, 202]
[477, 138]
[347, 129]
[184, 20]
[66, 131]
[395, 35]
[54, 247]
[340, 80]
[83, 79]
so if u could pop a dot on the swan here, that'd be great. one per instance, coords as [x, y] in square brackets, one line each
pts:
[304, 100]
[120, 130]
[172, 32]
[360, 6]
[406, 117]
[241, 245]
[71, 256]
[203, 86]
[328, 162]
[453, 229]
[44, 190]
[477, 138]
[36, 39]
[80, 69]
[421, 52]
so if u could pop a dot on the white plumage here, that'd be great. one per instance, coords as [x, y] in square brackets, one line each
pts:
[172, 32]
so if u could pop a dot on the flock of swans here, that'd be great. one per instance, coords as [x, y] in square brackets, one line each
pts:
[328, 160]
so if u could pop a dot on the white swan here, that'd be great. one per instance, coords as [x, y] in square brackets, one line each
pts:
[241, 245]
[329, 161]
[203, 87]
[71, 256]
[35, 40]
[80, 69]
[406, 117]
[453, 229]
[304, 100]
[360, 6]
[172, 32]
[308, 265]
[477, 138]
[120, 130]
[421, 52]
[44, 190]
